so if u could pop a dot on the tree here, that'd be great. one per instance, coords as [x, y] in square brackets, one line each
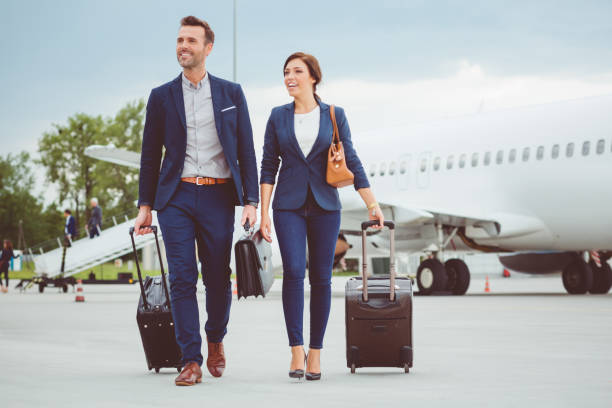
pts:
[62, 153]
[117, 186]
[79, 177]
[18, 203]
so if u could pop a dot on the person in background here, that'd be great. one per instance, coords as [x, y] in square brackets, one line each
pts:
[69, 227]
[95, 221]
[5, 260]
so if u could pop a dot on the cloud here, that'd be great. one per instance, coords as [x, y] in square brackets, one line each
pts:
[373, 104]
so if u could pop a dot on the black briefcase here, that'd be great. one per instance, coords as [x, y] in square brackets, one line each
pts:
[249, 267]
[154, 317]
[379, 316]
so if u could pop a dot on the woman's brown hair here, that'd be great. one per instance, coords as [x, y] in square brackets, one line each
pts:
[313, 68]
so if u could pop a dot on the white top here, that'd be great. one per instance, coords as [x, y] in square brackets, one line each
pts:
[307, 128]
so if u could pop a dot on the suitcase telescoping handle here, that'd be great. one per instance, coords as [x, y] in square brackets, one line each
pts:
[364, 226]
[161, 264]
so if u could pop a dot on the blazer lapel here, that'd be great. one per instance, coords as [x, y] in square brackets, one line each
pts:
[325, 129]
[177, 94]
[215, 91]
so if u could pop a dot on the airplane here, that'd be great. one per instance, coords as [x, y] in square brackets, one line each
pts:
[527, 183]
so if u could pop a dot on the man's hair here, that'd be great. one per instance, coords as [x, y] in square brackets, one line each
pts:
[209, 35]
[94, 199]
[67, 211]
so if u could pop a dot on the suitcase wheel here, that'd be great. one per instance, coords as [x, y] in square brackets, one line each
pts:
[406, 368]
[353, 368]
[157, 370]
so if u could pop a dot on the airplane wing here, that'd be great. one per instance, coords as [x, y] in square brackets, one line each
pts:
[416, 225]
[115, 155]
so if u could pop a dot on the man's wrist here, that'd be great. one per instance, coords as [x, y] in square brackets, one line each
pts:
[253, 203]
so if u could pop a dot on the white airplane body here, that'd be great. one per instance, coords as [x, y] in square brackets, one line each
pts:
[520, 180]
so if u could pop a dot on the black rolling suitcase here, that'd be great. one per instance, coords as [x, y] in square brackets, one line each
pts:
[154, 317]
[379, 316]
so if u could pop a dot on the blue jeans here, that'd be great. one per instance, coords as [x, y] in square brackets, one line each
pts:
[294, 228]
[206, 213]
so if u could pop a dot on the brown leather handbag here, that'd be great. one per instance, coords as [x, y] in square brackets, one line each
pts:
[338, 174]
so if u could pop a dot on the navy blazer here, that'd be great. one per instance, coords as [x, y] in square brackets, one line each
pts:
[299, 172]
[165, 125]
[70, 228]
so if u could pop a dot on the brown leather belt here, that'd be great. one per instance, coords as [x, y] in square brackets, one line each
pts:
[207, 181]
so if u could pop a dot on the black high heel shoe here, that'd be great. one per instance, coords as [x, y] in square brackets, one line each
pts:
[299, 373]
[313, 376]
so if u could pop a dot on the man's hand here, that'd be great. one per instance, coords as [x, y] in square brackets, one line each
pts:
[249, 213]
[144, 218]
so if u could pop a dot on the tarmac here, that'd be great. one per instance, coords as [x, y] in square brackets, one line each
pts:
[527, 343]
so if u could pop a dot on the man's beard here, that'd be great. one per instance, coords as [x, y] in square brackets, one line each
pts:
[192, 63]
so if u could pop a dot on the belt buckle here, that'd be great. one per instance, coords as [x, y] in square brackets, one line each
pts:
[198, 180]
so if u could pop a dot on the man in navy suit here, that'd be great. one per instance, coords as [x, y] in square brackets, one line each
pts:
[208, 168]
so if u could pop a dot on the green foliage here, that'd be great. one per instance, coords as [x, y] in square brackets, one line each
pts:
[79, 177]
[17, 203]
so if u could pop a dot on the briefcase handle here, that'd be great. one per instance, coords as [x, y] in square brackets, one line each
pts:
[161, 265]
[364, 226]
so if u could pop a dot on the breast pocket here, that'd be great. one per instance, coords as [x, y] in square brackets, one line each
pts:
[230, 120]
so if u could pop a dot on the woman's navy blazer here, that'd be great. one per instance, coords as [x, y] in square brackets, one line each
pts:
[298, 172]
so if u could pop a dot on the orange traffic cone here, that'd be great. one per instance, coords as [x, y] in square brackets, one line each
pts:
[79, 296]
[234, 288]
[506, 273]
[487, 287]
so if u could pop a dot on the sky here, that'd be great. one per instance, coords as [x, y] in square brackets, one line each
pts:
[386, 62]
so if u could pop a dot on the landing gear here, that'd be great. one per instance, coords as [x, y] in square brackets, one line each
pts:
[602, 278]
[577, 277]
[431, 276]
[458, 275]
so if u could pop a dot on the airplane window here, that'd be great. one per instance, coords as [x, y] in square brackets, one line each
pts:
[512, 156]
[569, 150]
[403, 167]
[449, 162]
[462, 160]
[601, 146]
[540, 153]
[436, 165]
[383, 169]
[474, 159]
[373, 170]
[392, 169]
[487, 158]
[586, 148]
[423, 165]
[500, 157]
[555, 151]
[526, 154]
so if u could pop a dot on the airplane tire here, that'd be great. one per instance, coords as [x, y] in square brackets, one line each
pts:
[431, 276]
[458, 275]
[577, 277]
[602, 278]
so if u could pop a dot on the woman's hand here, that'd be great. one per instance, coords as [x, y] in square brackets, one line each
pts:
[265, 228]
[375, 213]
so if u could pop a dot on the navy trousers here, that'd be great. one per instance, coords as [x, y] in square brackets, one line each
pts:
[204, 212]
[294, 229]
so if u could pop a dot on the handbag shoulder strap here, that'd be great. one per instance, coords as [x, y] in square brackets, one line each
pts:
[336, 136]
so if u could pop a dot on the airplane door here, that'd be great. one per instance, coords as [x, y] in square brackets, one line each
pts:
[403, 172]
[423, 168]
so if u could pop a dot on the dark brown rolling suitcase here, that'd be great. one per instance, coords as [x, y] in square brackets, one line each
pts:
[154, 317]
[379, 315]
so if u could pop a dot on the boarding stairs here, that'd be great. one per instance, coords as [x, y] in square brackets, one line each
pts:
[85, 253]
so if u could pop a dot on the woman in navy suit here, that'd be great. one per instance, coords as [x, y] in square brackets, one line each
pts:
[306, 208]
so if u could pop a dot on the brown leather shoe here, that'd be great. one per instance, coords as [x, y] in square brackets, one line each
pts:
[216, 359]
[190, 375]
